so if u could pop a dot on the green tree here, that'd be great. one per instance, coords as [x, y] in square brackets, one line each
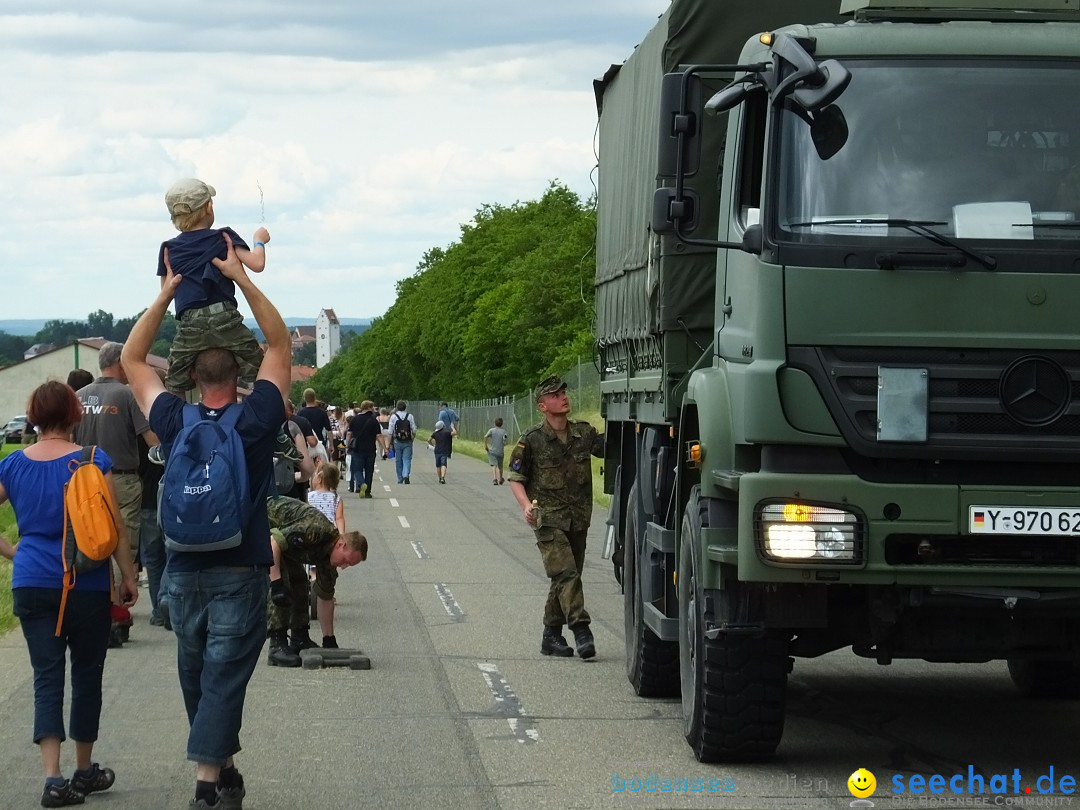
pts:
[509, 301]
[100, 324]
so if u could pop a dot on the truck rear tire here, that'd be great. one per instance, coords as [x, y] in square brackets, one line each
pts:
[1046, 679]
[733, 686]
[652, 665]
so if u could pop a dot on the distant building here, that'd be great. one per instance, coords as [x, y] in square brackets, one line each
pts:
[327, 337]
[17, 381]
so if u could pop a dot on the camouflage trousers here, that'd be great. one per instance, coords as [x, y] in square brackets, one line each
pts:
[563, 553]
[218, 326]
[298, 586]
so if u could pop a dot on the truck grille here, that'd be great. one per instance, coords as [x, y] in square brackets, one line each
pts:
[1015, 550]
[971, 411]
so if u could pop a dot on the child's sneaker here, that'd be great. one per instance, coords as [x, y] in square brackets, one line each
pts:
[61, 795]
[94, 780]
[285, 448]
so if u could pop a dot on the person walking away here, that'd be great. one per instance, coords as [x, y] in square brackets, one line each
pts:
[323, 495]
[448, 416]
[151, 541]
[33, 480]
[306, 468]
[558, 507]
[403, 432]
[443, 442]
[205, 299]
[217, 599]
[363, 437]
[316, 416]
[112, 421]
[495, 445]
[385, 439]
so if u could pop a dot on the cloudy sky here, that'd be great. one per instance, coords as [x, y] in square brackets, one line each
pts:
[360, 133]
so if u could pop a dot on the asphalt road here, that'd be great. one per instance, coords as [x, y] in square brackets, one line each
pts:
[461, 711]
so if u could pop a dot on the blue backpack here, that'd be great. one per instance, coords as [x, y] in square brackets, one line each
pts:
[205, 497]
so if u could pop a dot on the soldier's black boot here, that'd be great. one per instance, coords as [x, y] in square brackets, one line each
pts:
[554, 644]
[583, 640]
[280, 654]
[301, 641]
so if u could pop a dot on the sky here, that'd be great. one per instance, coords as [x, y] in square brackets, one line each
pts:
[361, 134]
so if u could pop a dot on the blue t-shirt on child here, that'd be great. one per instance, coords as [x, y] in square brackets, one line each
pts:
[202, 284]
[36, 492]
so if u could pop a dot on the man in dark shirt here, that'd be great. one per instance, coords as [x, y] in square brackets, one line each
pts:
[362, 440]
[316, 416]
[217, 599]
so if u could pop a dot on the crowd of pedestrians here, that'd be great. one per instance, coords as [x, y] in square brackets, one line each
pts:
[225, 595]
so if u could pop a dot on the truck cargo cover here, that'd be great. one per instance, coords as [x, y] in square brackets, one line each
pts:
[633, 300]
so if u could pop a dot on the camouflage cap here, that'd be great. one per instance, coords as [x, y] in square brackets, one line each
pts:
[550, 385]
[188, 195]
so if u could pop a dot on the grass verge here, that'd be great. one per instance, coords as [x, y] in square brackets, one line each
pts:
[9, 530]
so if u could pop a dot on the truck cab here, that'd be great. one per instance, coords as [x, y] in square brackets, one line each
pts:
[836, 280]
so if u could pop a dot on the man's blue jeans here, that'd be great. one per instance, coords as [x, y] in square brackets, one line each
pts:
[151, 552]
[86, 633]
[403, 459]
[219, 617]
[363, 469]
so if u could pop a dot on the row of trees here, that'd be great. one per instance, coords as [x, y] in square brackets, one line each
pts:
[510, 301]
[97, 324]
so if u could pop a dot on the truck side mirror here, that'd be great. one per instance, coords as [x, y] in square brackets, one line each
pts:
[679, 149]
[666, 210]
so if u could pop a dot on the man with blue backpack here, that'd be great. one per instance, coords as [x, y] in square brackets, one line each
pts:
[218, 471]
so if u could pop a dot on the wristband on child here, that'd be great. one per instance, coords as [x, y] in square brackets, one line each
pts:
[260, 244]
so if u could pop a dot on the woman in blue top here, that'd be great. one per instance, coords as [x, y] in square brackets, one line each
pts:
[33, 480]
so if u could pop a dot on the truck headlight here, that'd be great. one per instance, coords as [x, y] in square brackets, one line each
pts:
[792, 532]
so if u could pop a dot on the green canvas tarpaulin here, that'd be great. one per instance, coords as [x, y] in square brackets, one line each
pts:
[637, 296]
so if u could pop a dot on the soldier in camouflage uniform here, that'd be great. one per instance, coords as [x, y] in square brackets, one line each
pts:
[301, 534]
[550, 474]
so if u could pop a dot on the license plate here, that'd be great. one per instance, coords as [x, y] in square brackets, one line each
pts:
[1023, 520]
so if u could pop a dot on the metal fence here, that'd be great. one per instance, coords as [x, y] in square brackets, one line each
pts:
[518, 412]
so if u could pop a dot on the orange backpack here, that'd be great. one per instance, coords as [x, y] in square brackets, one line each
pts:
[90, 517]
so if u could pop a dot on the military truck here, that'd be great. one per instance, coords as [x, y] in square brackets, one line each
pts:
[837, 286]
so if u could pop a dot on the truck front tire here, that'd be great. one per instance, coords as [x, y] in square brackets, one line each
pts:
[733, 686]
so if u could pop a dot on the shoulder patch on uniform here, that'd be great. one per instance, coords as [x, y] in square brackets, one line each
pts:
[515, 464]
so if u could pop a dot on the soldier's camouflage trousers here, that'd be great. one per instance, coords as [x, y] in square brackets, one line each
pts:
[218, 326]
[563, 554]
[295, 577]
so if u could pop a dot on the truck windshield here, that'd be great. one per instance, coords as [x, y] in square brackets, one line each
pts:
[985, 151]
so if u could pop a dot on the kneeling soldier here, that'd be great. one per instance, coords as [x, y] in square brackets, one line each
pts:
[301, 535]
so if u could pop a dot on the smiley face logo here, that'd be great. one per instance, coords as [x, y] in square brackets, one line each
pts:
[862, 784]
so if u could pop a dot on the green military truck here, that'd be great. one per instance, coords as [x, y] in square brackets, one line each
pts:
[838, 298]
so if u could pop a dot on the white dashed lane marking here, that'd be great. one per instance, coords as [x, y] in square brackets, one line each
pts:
[508, 705]
[404, 523]
[394, 503]
[419, 549]
[449, 603]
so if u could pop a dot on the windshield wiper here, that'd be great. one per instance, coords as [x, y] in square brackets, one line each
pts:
[920, 227]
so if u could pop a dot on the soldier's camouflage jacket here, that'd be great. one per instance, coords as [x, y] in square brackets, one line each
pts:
[558, 476]
[302, 531]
